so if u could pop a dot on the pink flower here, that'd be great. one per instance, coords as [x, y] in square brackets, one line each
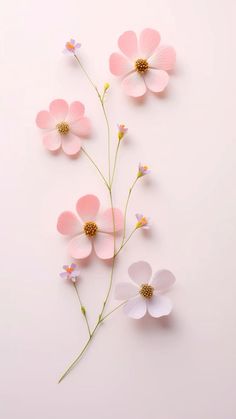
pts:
[71, 272]
[71, 47]
[143, 222]
[122, 130]
[63, 126]
[90, 230]
[145, 294]
[144, 64]
[143, 170]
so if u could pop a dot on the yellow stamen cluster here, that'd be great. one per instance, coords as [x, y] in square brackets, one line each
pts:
[69, 270]
[146, 291]
[141, 65]
[90, 228]
[63, 128]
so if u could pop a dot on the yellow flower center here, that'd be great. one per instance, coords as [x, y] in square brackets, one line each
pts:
[146, 291]
[63, 128]
[90, 228]
[69, 270]
[141, 65]
[70, 46]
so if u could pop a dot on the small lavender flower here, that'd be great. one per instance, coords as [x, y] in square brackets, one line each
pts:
[71, 47]
[122, 130]
[143, 170]
[71, 272]
[143, 222]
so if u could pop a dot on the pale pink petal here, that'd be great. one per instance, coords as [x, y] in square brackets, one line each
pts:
[80, 247]
[163, 280]
[119, 65]
[164, 59]
[128, 44]
[156, 80]
[140, 272]
[125, 290]
[87, 207]
[159, 306]
[105, 220]
[136, 308]
[71, 144]
[68, 224]
[134, 85]
[52, 140]
[104, 245]
[148, 42]
[82, 127]
[59, 109]
[76, 111]
[44, 120]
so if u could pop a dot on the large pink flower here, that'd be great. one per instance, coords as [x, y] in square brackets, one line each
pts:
[144, 64]
[90, 229]
[63, 126]
[144, 293]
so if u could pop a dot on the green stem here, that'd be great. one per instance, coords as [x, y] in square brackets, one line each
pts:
[126, 241]
[114, 309]
[96, 166]
[82, 309]
[115, 162]
[126, 208]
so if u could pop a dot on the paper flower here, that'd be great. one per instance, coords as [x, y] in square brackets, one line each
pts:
[144, 64]
[122, 130]
[71, 47]
[143, 170]
[145, 294]
[63, 126]
[71, 272]
[90, 229]
[143, 222]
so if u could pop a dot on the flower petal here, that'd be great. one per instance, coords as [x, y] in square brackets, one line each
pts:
[125, 290]
[59, 109]
[82, 127]
[134, 85]
[71, 144]
[44, 120]
[68, 224]
[105, 221]
[156, 80]
[128, 44]
[52, 141]
[148, 42]
[164, 59]
[140, 272]
[80, 247]
[136, 308]
[87, 207]
[159, 306]
[163, 280]
[104, 245]
[76, 111]
[119, 65]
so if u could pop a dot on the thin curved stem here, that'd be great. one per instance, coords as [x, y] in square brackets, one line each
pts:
[82, 309]
[96, 166]
[114, 309]
[115, 162]
[126, 208]
[126, 241]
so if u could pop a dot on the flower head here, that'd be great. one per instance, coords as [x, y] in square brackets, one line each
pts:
[143, 64]
[63, 126]
[71, 47]
[143, 170]
[144, 293]
[143, 222]
[90, 230]
[122, 130]
[71, 272]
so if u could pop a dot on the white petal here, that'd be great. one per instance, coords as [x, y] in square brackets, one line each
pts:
[163, 280]
[159, 306]
[140, 272]
[136, 308]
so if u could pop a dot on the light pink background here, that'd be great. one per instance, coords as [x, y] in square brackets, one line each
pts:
[180, 368]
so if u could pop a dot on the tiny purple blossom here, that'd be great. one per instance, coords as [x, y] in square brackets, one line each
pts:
[71, 272]
[143, 170]
[122, 130]
[142, 222]
[71, 47]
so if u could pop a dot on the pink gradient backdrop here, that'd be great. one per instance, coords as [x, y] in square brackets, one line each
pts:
[180, 368]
